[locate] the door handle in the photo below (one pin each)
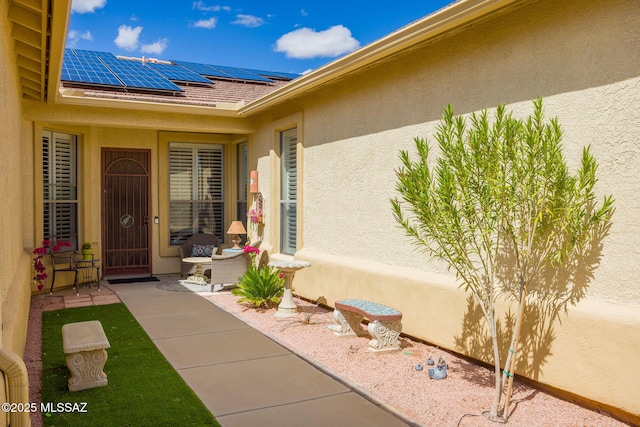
(146, 220)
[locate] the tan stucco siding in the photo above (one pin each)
(99, 128)
(583, 59)
(15, 262)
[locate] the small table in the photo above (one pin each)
(288, 307)
(86, 266)
(198, 277)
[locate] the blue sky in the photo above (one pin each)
(284, 36)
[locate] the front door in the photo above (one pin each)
(126, 237)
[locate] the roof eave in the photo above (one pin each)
(60, 10)
(455, 15)
(220, 109)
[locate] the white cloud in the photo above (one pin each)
(155, 48)
(303, 12)
(306, 43)
(248, 21)
(128, 37)
(87, 6)
(75, 36)
(206, 23)
(200, 5)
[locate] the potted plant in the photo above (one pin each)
(87, 252)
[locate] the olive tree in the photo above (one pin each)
(499, 192)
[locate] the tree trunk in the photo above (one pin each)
(496, 358)
(510, 366)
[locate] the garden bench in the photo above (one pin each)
(384, 326)
(84, 343)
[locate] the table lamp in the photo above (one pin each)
(236, 228)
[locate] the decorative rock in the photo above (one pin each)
(437, 373)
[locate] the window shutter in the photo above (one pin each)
(289, 191)
(59, 152)
(196, 190)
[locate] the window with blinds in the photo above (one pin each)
(196, 191)
(243, 182)
(289, 190)
(60, 190)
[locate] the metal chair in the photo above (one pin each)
(72, 261)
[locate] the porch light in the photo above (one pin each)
(236, 228)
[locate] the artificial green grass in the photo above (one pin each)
(143, 389)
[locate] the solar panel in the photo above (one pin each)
(232, 73)
(241, 73)
(135, 75)
(275, 74)
(178, 73)
(87, 69)
(203, 70)
(104, 68)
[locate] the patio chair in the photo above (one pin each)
(201, 244)
(81, 265)
(226, 269)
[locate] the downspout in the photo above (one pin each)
(15, 372)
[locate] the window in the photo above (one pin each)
(243, 173)
(196, 191)
(289, 187)
(60, 191)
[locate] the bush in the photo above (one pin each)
(261, 287)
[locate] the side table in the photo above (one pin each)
(198, 276)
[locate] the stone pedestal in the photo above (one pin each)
(287, 306)
(84, 343)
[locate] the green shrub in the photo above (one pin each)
(260, 287)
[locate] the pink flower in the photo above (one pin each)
(40, 275)
(248, 249)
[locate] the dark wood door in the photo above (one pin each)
(126, 236)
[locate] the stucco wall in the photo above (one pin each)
(99, 128)
(14, 262)
(583, 59)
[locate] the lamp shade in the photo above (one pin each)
(236, 227)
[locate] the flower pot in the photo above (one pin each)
(87, 254)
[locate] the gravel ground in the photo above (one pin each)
(459, 400)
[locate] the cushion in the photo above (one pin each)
(203, 250)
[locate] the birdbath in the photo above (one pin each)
(287, 307)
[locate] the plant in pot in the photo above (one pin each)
(87, 252)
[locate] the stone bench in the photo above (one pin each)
(84, 343)
(384, 326)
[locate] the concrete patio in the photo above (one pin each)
(242, 376)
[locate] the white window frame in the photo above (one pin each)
(205, 201)
(60, 186)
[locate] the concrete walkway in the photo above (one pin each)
(242, 376)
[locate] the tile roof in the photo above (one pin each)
(82, 70)
(222, 91)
